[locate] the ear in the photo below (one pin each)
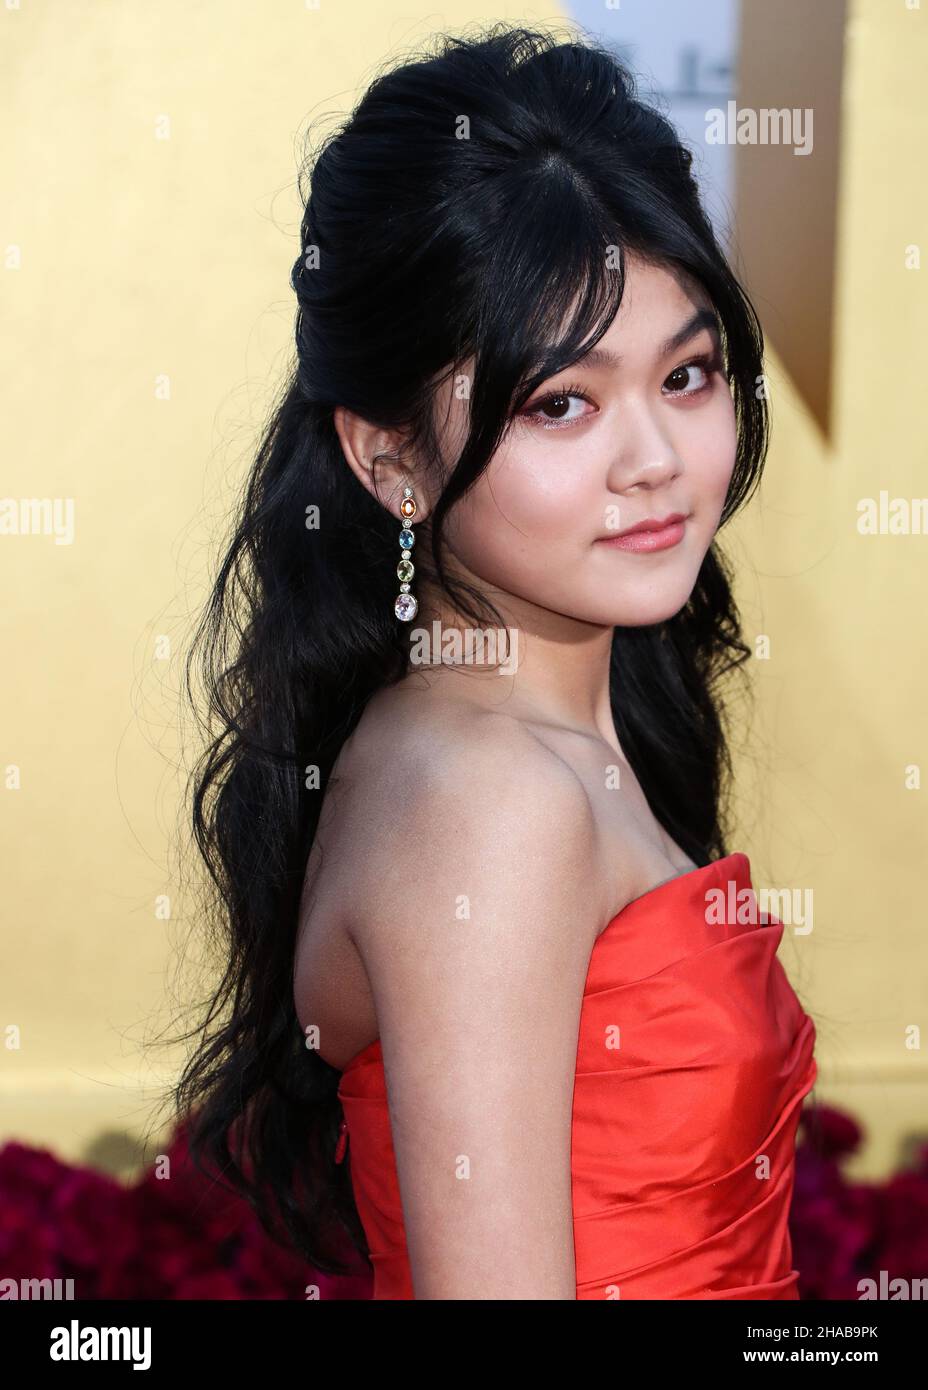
(374, 455)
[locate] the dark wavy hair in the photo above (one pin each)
(478, 203)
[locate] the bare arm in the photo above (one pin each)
(477, 951)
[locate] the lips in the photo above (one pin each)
(650, 523)
(651, 534)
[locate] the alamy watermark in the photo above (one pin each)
(765, 125)
(38, 516)
(896, 516)
(734, 906)
(884, 1287)
(35, 1290)
(469, 646)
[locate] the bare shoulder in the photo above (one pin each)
(476, 948)
(470, 797)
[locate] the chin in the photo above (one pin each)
(656, 603)
(647, 616)
(641, 617)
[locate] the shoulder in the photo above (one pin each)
(434, 735)
(471, 795)
(455, 742)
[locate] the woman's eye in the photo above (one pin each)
(557, 409)
(681, 379)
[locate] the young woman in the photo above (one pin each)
(497, 1005)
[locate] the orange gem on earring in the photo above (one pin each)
(408, 506)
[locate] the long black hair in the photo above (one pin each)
(480, 197)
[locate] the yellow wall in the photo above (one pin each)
(148, 260)
(841, 702)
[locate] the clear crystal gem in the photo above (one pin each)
(406, 607)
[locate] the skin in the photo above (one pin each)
(470, 790)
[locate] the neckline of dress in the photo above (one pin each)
(676, 878)
(635, 902)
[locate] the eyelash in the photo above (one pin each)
(711, 363)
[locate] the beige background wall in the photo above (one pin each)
(150, 219)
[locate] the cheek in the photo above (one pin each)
(517, 511)
(710, 449)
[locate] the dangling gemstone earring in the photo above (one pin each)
(406, 606)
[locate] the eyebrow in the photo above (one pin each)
(703, 318)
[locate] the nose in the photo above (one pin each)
(645, 458)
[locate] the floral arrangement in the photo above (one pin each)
(178, 1238)
(843, 1232)
(185, 1238)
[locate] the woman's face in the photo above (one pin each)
(599, 448)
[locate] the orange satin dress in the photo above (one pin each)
(693, 1059)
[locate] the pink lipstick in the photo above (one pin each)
(650, 534)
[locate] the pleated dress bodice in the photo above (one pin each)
(693, 1059)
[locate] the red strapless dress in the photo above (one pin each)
(683, 1136)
